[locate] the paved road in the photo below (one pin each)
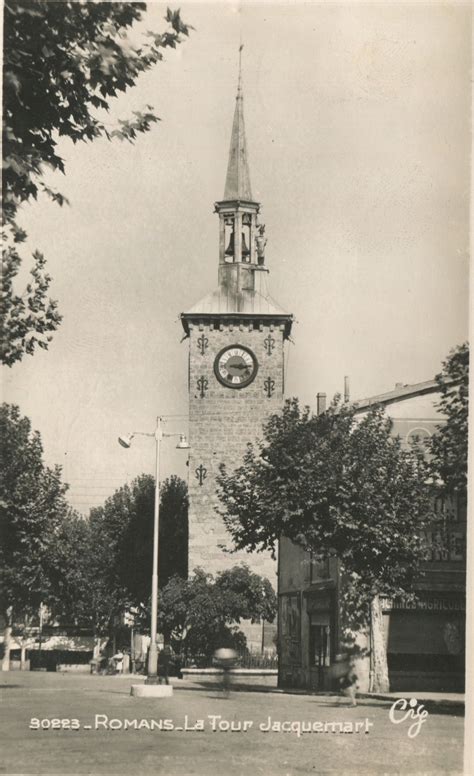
(209, 746)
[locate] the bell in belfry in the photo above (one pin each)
(230, 248)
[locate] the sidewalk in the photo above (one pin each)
(432, 701)
(452, 700)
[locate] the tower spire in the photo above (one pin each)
(237, 184)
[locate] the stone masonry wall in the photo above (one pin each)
(222, 422)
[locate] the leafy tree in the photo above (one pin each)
(173, 536)
(81, 590)
(134, 507)
(32, 507)
(449, 446)
(27, 320)
(245, 595)
(337, 486)
(63, 62)
(102, 566)
(201, 614)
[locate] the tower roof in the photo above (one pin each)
(237, 182)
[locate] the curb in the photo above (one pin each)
(433, 703)
(440, 702)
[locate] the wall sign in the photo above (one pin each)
(425, 604)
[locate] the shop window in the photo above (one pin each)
(320, 640)
(457, 545)
(446, 545)
(291, 615)
(439, 545)
(446, 509)
(445, 539)
(319, 569)
(290, 645)
(419, 439)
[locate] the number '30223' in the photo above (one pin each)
(54, 724)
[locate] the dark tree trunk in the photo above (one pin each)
(7, 635)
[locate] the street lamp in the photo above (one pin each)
(126, 441)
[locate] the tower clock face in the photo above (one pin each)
(235, 366)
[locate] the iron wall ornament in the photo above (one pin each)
(202, 385)
(203, 343)
(269, 386)
(269, 343)
(201, 473)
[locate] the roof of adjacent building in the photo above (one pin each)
(398, 394)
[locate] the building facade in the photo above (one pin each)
(425, 638)
(236, 338)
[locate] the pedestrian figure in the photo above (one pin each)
(118, 662)
(164, 659)
(225, 658)
(348, 685)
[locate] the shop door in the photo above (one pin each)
(320, 643)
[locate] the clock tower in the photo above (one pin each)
(236, 335)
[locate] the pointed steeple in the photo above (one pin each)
(237, 183)
(241, 299)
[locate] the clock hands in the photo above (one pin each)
(235, 366)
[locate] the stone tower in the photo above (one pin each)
(236, 361)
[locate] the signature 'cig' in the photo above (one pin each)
(403, 710)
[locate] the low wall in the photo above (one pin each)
(15, 665)
(74, 668)
(262, 677)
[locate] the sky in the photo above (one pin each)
(358, 132)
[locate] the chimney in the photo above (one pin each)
(346, 388)
(321, 403)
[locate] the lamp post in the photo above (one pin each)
(126, 441)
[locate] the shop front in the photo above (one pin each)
(426, 642)
(322, 636)
(308, 639)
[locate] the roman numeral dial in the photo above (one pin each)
(235, 366)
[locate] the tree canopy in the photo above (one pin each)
(81, 591)
(32, 508)
(102, 566)
(449, 445)
(63, 63)
(128, 516)
(336, 485)
(201, 614)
